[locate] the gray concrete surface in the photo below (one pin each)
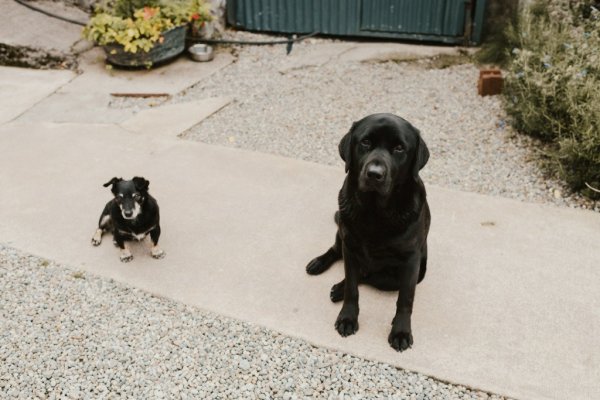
(509, 304)
(173, 119)
(361, 52)
(20, 26)
(86, 99)
(22, 89)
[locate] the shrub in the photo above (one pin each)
(552, 89)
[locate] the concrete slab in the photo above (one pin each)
(510, 303)
(318, 54)
(81, 107)
(377, 52)
(86, 98)
(173, 119)
(43, 32)
(315, 55)
(23, 88)
(171, 78)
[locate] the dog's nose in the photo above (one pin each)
(128, 213)
(375, 172)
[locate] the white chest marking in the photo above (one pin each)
(139, 236)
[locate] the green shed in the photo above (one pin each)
(445, 21)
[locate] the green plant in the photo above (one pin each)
(552, 89)
(139, 24)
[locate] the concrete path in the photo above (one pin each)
(22, 89)
(509, 304)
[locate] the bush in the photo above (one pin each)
(552, 89)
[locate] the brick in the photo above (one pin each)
(490, 82)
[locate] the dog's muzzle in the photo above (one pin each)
(374, 177)
(130, 213)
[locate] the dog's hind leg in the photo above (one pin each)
(104, 224)
(156, 251)
(324, 261)
(125, 255)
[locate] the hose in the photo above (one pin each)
(48, 13)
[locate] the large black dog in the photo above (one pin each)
(130, 215)
(383, 220)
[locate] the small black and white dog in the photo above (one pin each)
(130, 215)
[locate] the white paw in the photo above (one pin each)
(97, 238)
(126, 256)
(158, 253)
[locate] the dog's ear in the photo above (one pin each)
(140, 183)
(421, 156)
(112, 181)
(345, 146)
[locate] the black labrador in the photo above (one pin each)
(383, 220)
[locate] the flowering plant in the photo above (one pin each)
(139, 25)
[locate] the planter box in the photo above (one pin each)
(171, 47)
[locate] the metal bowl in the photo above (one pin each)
(201, 52)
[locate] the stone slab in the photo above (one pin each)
(86, 99)
(89, 107)
(22, 89)
(317, 54)
(509, 305)
(173, 119)
(378, 52)
(42, 31)
(171, 78)
(314, 55)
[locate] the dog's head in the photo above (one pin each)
(382, 151)
(129, 195)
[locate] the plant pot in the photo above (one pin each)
(172, 45)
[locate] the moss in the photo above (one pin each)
(29, 57)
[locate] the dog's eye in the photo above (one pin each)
(118, 199)
(366, 142)
(137, 197)
(398, 149)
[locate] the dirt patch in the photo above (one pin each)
(29, 57)
(446, 60)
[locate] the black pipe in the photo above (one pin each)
(48, 13)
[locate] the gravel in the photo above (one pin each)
(304, 112)
(65, 334)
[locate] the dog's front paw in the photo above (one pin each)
(125, 256)
(97, 238)
(400, 340)
(158, 253)
(317, 266)
(337, 292)
(346, 324)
